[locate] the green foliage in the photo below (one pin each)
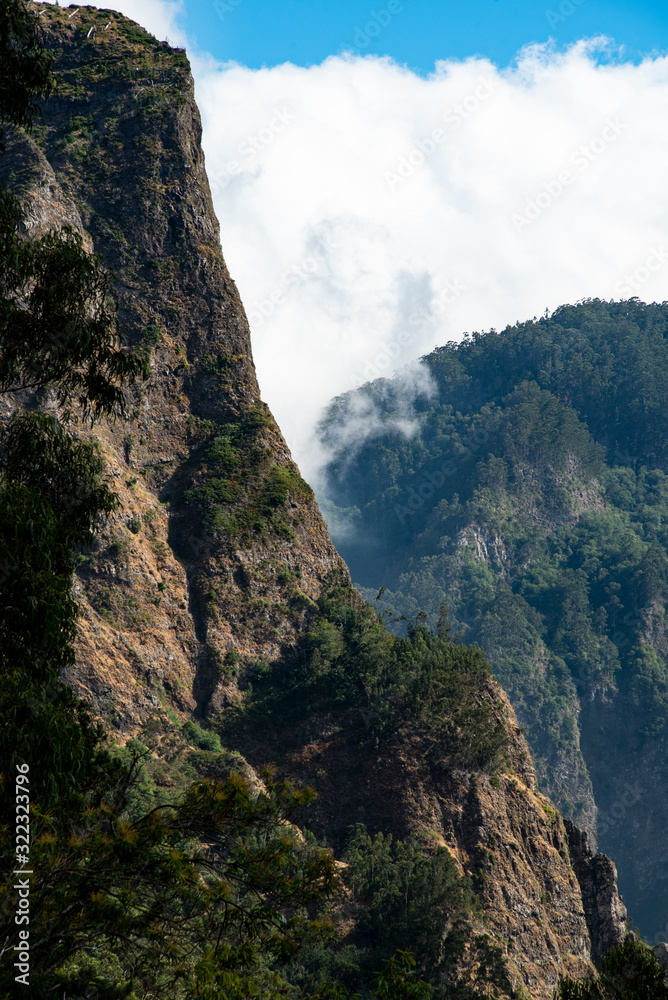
(183, 898)
(417, 921)
(25, 67)
(206, 895)
(239, 490)
(533, 497)
(411, 899)
(350, 660)
(397, 981)
(137, 35)
(630, 972)
(152, 334)
(148, 881)
(57, 326)
(50, 494)
(185, 918)
(202, 738)
(217, 366)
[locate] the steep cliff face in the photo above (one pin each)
(597, 875)
(552, 916)
(560, 764)
(634, 812)
(117, 155)
(219, 551)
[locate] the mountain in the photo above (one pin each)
(529, 492)
(218, 624)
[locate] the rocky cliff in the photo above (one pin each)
(531, 498)
(597, 876)
(552, 907)
(219, 552)
(166, 594)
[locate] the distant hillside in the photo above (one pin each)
(532, 497)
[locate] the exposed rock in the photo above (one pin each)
(117, 155)
(604, 910)
(661, 952)
(503, 833)
(168, 602)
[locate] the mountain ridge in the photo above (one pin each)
(545, 537)
(214, 576)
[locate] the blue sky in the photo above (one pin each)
(416, 33)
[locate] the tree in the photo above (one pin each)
(630, 972)
(25, 67)
(397, 979)
(57, 318)
(195, 895)
(193, 898)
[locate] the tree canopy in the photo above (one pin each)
(532, 496)
(25, 66)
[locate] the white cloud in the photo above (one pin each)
(368, 214)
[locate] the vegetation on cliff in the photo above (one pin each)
(202, 894)
(239, 493)
(630, 972)
(189, 892)
(204, 891)
(533, 497)
(169, 866)
(348, 659)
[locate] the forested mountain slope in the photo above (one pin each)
(532, 497)
(218, 625)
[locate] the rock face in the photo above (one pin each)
(219, 550)
(117, 156)
(604, 911)
(661, 952)
(502, 831)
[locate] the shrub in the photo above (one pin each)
(202, 738)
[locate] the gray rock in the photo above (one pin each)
(605, 912)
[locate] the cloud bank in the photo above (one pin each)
(368, 214)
